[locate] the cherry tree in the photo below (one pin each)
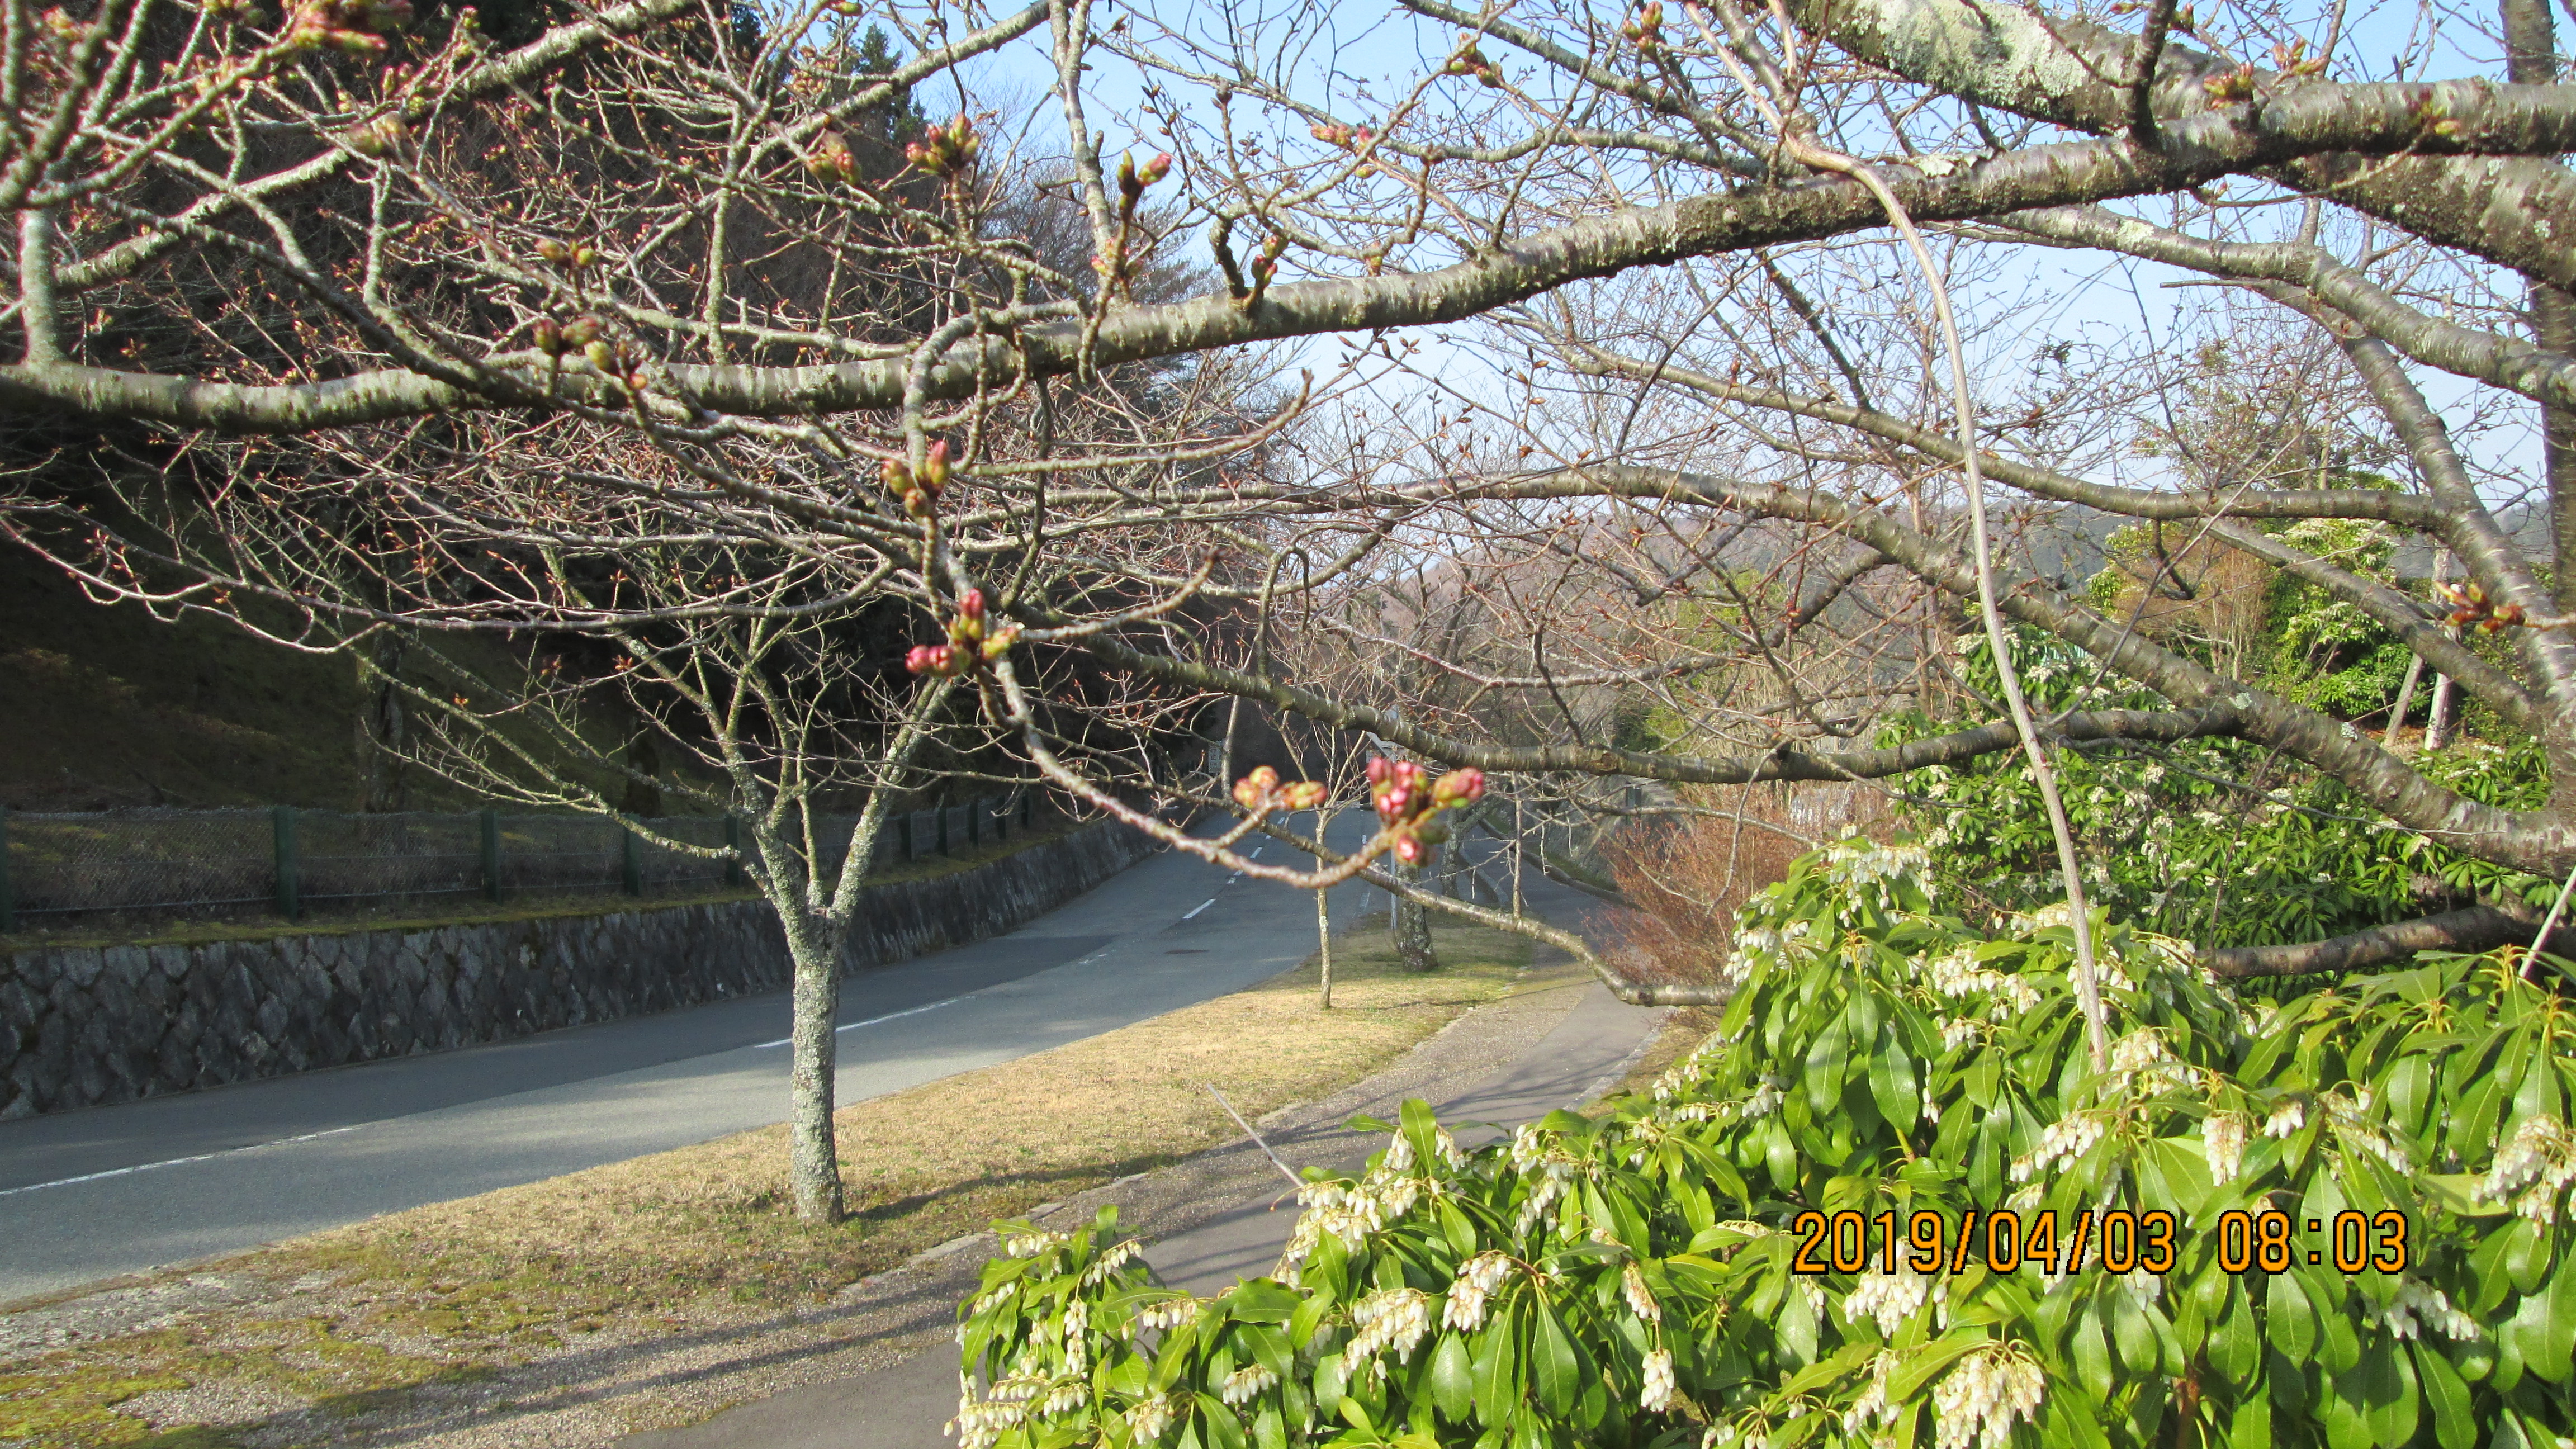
(673, 330)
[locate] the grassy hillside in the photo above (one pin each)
(106, 706)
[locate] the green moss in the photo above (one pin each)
(70, 1397)
(75, 1405)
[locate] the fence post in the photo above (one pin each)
(289, 904)
(8, 894)
(630, 861)
(941, 811)
(491, 854)
(975, 822)
(1029, 808)
(1001, 818)
(733, 842)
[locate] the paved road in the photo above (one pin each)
(94, 1194)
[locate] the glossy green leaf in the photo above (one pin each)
(1452, 1378)
(1497, 1371)
(1223, 1429)
(2091, 1350)
(1824, 1069)
(1554, 1371)
(2446, 1395)
(2288, 1320)
(1892, 1084)
(2557, 1339)
(2131, 1335)
(2386, 1374)
(2236, 1346)
(2249, 1426)
(2525, 1259)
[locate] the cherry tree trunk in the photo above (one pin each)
(1412, 924)
(813, 1160)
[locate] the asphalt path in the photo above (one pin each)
(107, 1191)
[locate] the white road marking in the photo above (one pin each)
(918, 1010)
(1201, 906)
(173, 1162)
(871, 1021)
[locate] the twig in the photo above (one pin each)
(1777, 97)
(1284, 1170)
(2548, 924)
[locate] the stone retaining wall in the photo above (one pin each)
(83, 1026)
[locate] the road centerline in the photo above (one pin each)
(174, 1161)
(871, 1021)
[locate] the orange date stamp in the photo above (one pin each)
(2114, 1240)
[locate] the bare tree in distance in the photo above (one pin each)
(791, 606)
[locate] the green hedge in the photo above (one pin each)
(1632, 1279)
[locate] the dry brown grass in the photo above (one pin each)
(925, 1165)
(681, 1235)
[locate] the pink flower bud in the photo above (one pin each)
(934, 468)
(971, 604)
(1156, 169)
(1408, 849)
(1378, 766)
(1458, 787)
(1254, 790)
